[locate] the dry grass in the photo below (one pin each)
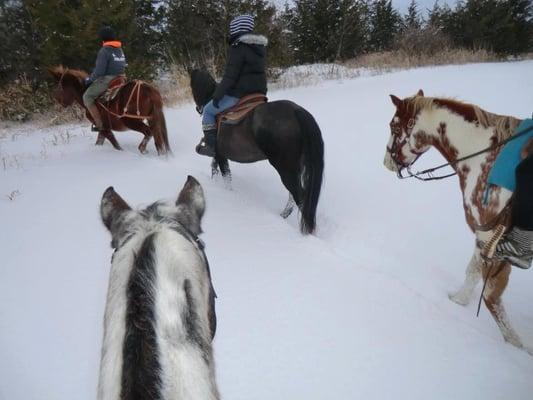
(20, 100)
(400, 59)
(58, 115)
(174, 86)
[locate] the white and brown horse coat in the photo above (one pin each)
(159, 318)
(456, 130)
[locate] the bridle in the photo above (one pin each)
(397, 145)
(427, 174)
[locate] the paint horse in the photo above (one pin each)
(456, 130)
(137, 106)
(281, 132)
(160, 316)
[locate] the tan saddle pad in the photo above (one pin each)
(246, 104)
(113, 88)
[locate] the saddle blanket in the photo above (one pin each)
(503, 171)
(113, 88)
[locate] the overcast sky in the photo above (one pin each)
(400, 5)
(422, 4)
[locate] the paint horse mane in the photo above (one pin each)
(504, 126)
(457, 130)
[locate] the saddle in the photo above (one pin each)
(113, 88)
(234, 115)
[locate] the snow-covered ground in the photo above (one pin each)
(359, 311)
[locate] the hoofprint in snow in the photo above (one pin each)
(358, 311)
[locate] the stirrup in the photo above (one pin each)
(94, 128)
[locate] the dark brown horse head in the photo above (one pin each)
(203, 86)
(70, 85)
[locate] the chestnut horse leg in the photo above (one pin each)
(139, 126)
(100, 139)
(109, 136)
(473, 275)
(497, 282)
(143, 144)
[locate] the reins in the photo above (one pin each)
(429, 171)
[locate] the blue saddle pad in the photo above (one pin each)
(503, 171)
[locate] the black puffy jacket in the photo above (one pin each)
(245, 68)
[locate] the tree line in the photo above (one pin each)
(188, 33)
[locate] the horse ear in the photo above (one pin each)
(192, 196)
(111, 207)
(396, 100)
(420, 93)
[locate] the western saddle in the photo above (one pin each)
(113, 88)
(236, 114)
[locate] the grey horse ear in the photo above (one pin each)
(395, 100)
(192, 196)
(420, 93)
(111, 207)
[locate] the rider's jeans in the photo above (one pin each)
(210, 111)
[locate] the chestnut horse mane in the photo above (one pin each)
(503, 125)
(77, 74)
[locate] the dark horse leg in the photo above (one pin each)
(289, 208)
(221, 163)
(290, 178)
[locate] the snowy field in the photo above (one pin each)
(359, 311)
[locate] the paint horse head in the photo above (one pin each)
(160, 315)
(458, 130)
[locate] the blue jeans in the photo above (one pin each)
(210, 111)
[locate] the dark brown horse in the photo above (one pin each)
(281, 132)
(138, 106)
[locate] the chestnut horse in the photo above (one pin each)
(457, 130)
(281, 132)
(138, 106)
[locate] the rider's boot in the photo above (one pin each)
(516, 247)
(93, 109)
(207, 146)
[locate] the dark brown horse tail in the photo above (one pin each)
(311, 170)
(158, 126)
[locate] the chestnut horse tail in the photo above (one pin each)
(311, 170)
(158, 126)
